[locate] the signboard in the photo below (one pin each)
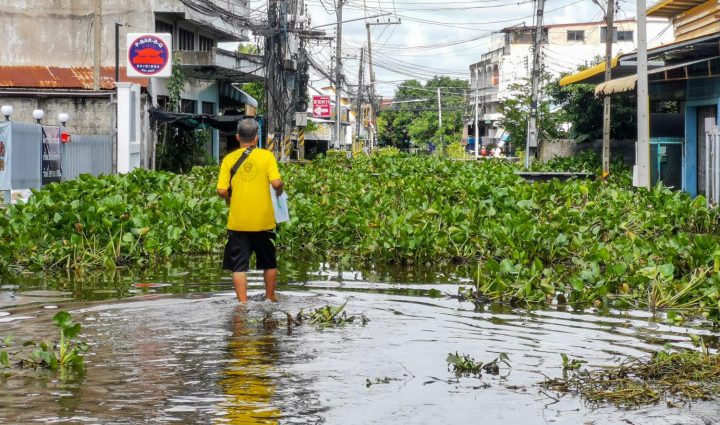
(149, 55)
(51, 160)
(321, 106)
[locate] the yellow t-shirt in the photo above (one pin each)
(251, 208)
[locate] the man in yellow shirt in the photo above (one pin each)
(246, 175)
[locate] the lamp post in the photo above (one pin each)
(38, 114)
(7, 110)
(63, 118)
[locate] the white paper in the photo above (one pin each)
(280, 205)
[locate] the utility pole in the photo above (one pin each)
(641, 175)
(338, 74)
(97, 43)
(442, 142)
(609, 39)
(373, 109)
(358, 116)
(532, 134)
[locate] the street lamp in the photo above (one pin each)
(7, 110)
(38, 114)
(63, 118)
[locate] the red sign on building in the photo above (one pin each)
(321, 106)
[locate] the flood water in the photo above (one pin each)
(172, 345)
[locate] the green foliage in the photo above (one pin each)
(580, 241)
(179, 151)
(257, 91)
(330, 316)
(417, 122)
(176, 85)
(248, 49)
(585, 111)
(66, 354)
(464, 365)
(515, 110)
(116, 220)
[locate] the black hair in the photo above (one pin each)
(247, 129)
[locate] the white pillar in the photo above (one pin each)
(128, 127)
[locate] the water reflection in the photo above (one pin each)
(248, 381)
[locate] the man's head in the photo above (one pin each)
(247, 131)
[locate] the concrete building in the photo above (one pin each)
(684, 91)
(48, 49)
(509, 59)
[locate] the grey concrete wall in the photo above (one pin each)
(565, 148)
(59, 32)
(89, 115)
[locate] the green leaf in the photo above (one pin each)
(4, 359)
(62, 319)
(72, 331)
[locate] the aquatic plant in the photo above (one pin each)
(63, 354)
(578, 242)
(464, 365)
(682, 375)
(4, 357)
(327, 316)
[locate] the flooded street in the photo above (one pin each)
(175, 347)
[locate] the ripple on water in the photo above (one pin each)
(206, 360)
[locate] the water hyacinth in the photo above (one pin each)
(597, 241)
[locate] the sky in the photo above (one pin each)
(434, 37)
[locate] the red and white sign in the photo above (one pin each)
(321, 106)
(149, 55)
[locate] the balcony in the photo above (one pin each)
(220, 64)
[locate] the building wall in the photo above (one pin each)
(88, 115)
(513, 60)
(59, 32)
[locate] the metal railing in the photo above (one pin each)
(712, 165)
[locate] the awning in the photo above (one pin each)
(658, 57)
(587, 73)
(226, 123)
(702, 68)
(233, 92)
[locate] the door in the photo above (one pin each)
(703, 112)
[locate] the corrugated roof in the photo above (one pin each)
(53, 77)
(672, 8)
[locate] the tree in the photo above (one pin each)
(414, 118)
(515, 111)
(585, 111)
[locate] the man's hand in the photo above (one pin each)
(278, 185)
(223, 193)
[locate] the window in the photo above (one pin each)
(617, 35)
(208, 108)
(161, 26)
(188, 106)
(575, 35)
(624, 35)
(186, 40)
(206, 44)
(162, 102)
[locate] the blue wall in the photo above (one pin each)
(701, 92)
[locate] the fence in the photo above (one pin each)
(712, 165)
(87, 155)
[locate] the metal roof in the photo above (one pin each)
(53, 77)
(672, 8)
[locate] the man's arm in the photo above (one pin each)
(278, 185)
(223, 181)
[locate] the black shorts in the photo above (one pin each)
(240, 245)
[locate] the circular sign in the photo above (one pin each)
(148, 55)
